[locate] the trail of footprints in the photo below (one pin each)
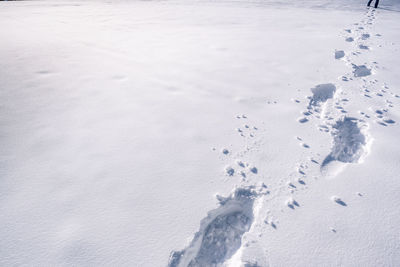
(221, 233)
(237, 165)
(328, 104)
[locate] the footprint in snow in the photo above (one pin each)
(291, 203)
(339, 54)
(253, 169)
(338, 200)
(229, 171)
(349, 142)
(225, 151)
(365, 36)
(269, 220)
(302, 120)
(321, 93)
(361, 71)
(364, 47)
(220, 233)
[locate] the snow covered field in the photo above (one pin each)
(199, 133)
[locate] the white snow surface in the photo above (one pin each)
(199, 133)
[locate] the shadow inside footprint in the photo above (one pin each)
(341, 202)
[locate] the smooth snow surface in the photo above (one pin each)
(199, 133)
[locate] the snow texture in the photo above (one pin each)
(121, 120)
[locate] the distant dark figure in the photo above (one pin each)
(376, 3)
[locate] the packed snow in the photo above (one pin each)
(199, 133)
